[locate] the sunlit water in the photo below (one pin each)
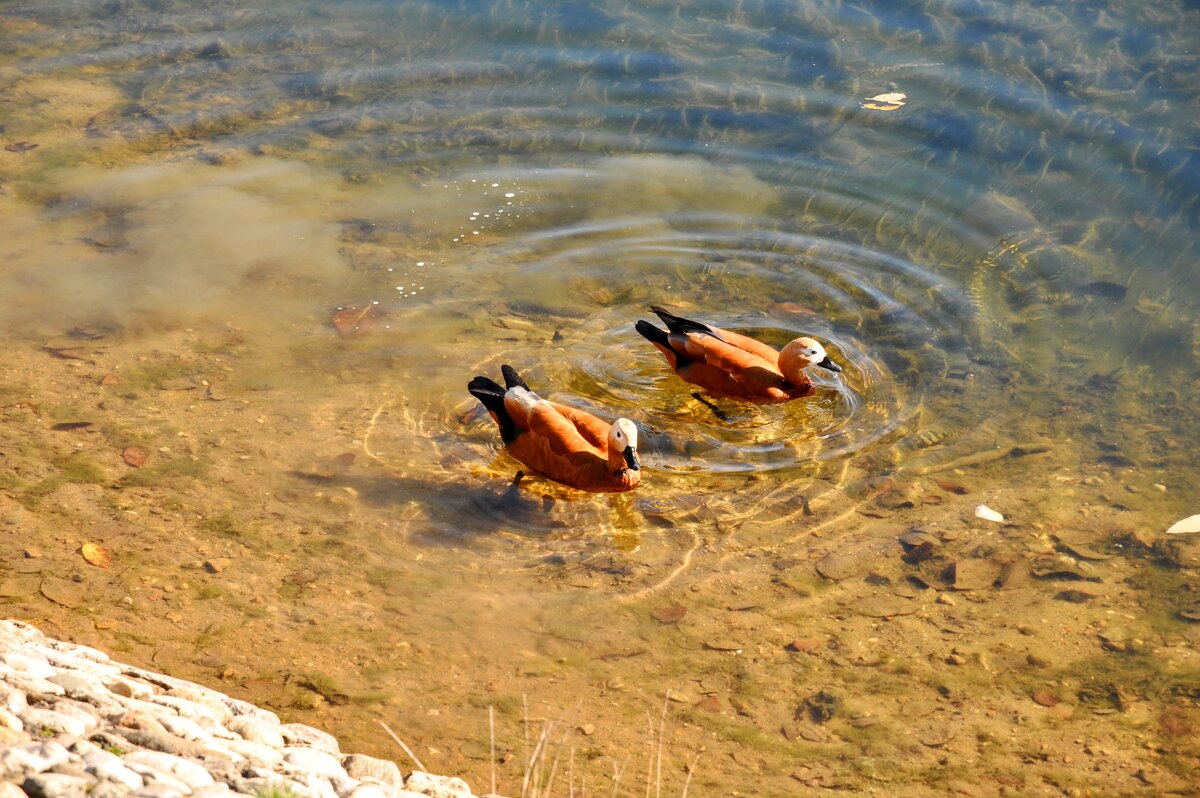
(1004, 256)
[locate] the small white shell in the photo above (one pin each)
(988, 514)
(1187, 525)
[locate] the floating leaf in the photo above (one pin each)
(890, 101)
(135, 456)
(96, 555)
(672, 614)
(355, 321)
(988, 514)
(1186, 526)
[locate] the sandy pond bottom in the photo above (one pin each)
(888, 643)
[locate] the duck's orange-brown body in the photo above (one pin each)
(730, 364)
(563, 443)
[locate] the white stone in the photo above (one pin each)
(183, 727)
(373, 791)
(124, 686)
(158, 790)
(312, 760)
(437, 786)
(28, 683)
(10, 721)
(36, 719)
(344, 785)
(218, 730)
(308, 785)
(33, 666)
(239, 707)
(107, 766)
(216, 790)
(78, 650)
(211, 699)
(75, 661)
(56, 785)
(299, 734)
(1185, 527)
(28, 758)
(988, 514)
(77, 685)
(256, 730)
(363, 767)
(154, 775)
(256, 753)
(186, 707)
(12, 700)
(77, 709)
(185, 770)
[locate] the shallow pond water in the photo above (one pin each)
(253, 252)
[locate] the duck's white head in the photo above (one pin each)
(802, 353)
(622, 440)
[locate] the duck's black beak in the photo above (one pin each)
(631, 458)
(829, 364)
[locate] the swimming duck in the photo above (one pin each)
(565, 444)
(733, 365)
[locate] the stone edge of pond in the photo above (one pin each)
(75, 723)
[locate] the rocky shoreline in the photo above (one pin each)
(73, 722)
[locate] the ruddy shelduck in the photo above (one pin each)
(563, 443)
(732, 365)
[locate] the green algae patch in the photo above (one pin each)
(180, 468)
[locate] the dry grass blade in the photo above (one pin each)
(662, 720)
(617, 771)
(400, 743)
(691, 769)
(532, 767)
(492, 742)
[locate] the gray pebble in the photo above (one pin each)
(437, 786)
(256, 730)
(301, 735)
(312, 760)
(159, 790)
(256, 754)
(32, 666)
(55, 785)
(18, 761)
(190, 773)
(363, 767)
(152, 775)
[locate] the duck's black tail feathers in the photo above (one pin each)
(651, 333)
(511, 378)
(678, 324)
(489, 392)
(661, 339)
